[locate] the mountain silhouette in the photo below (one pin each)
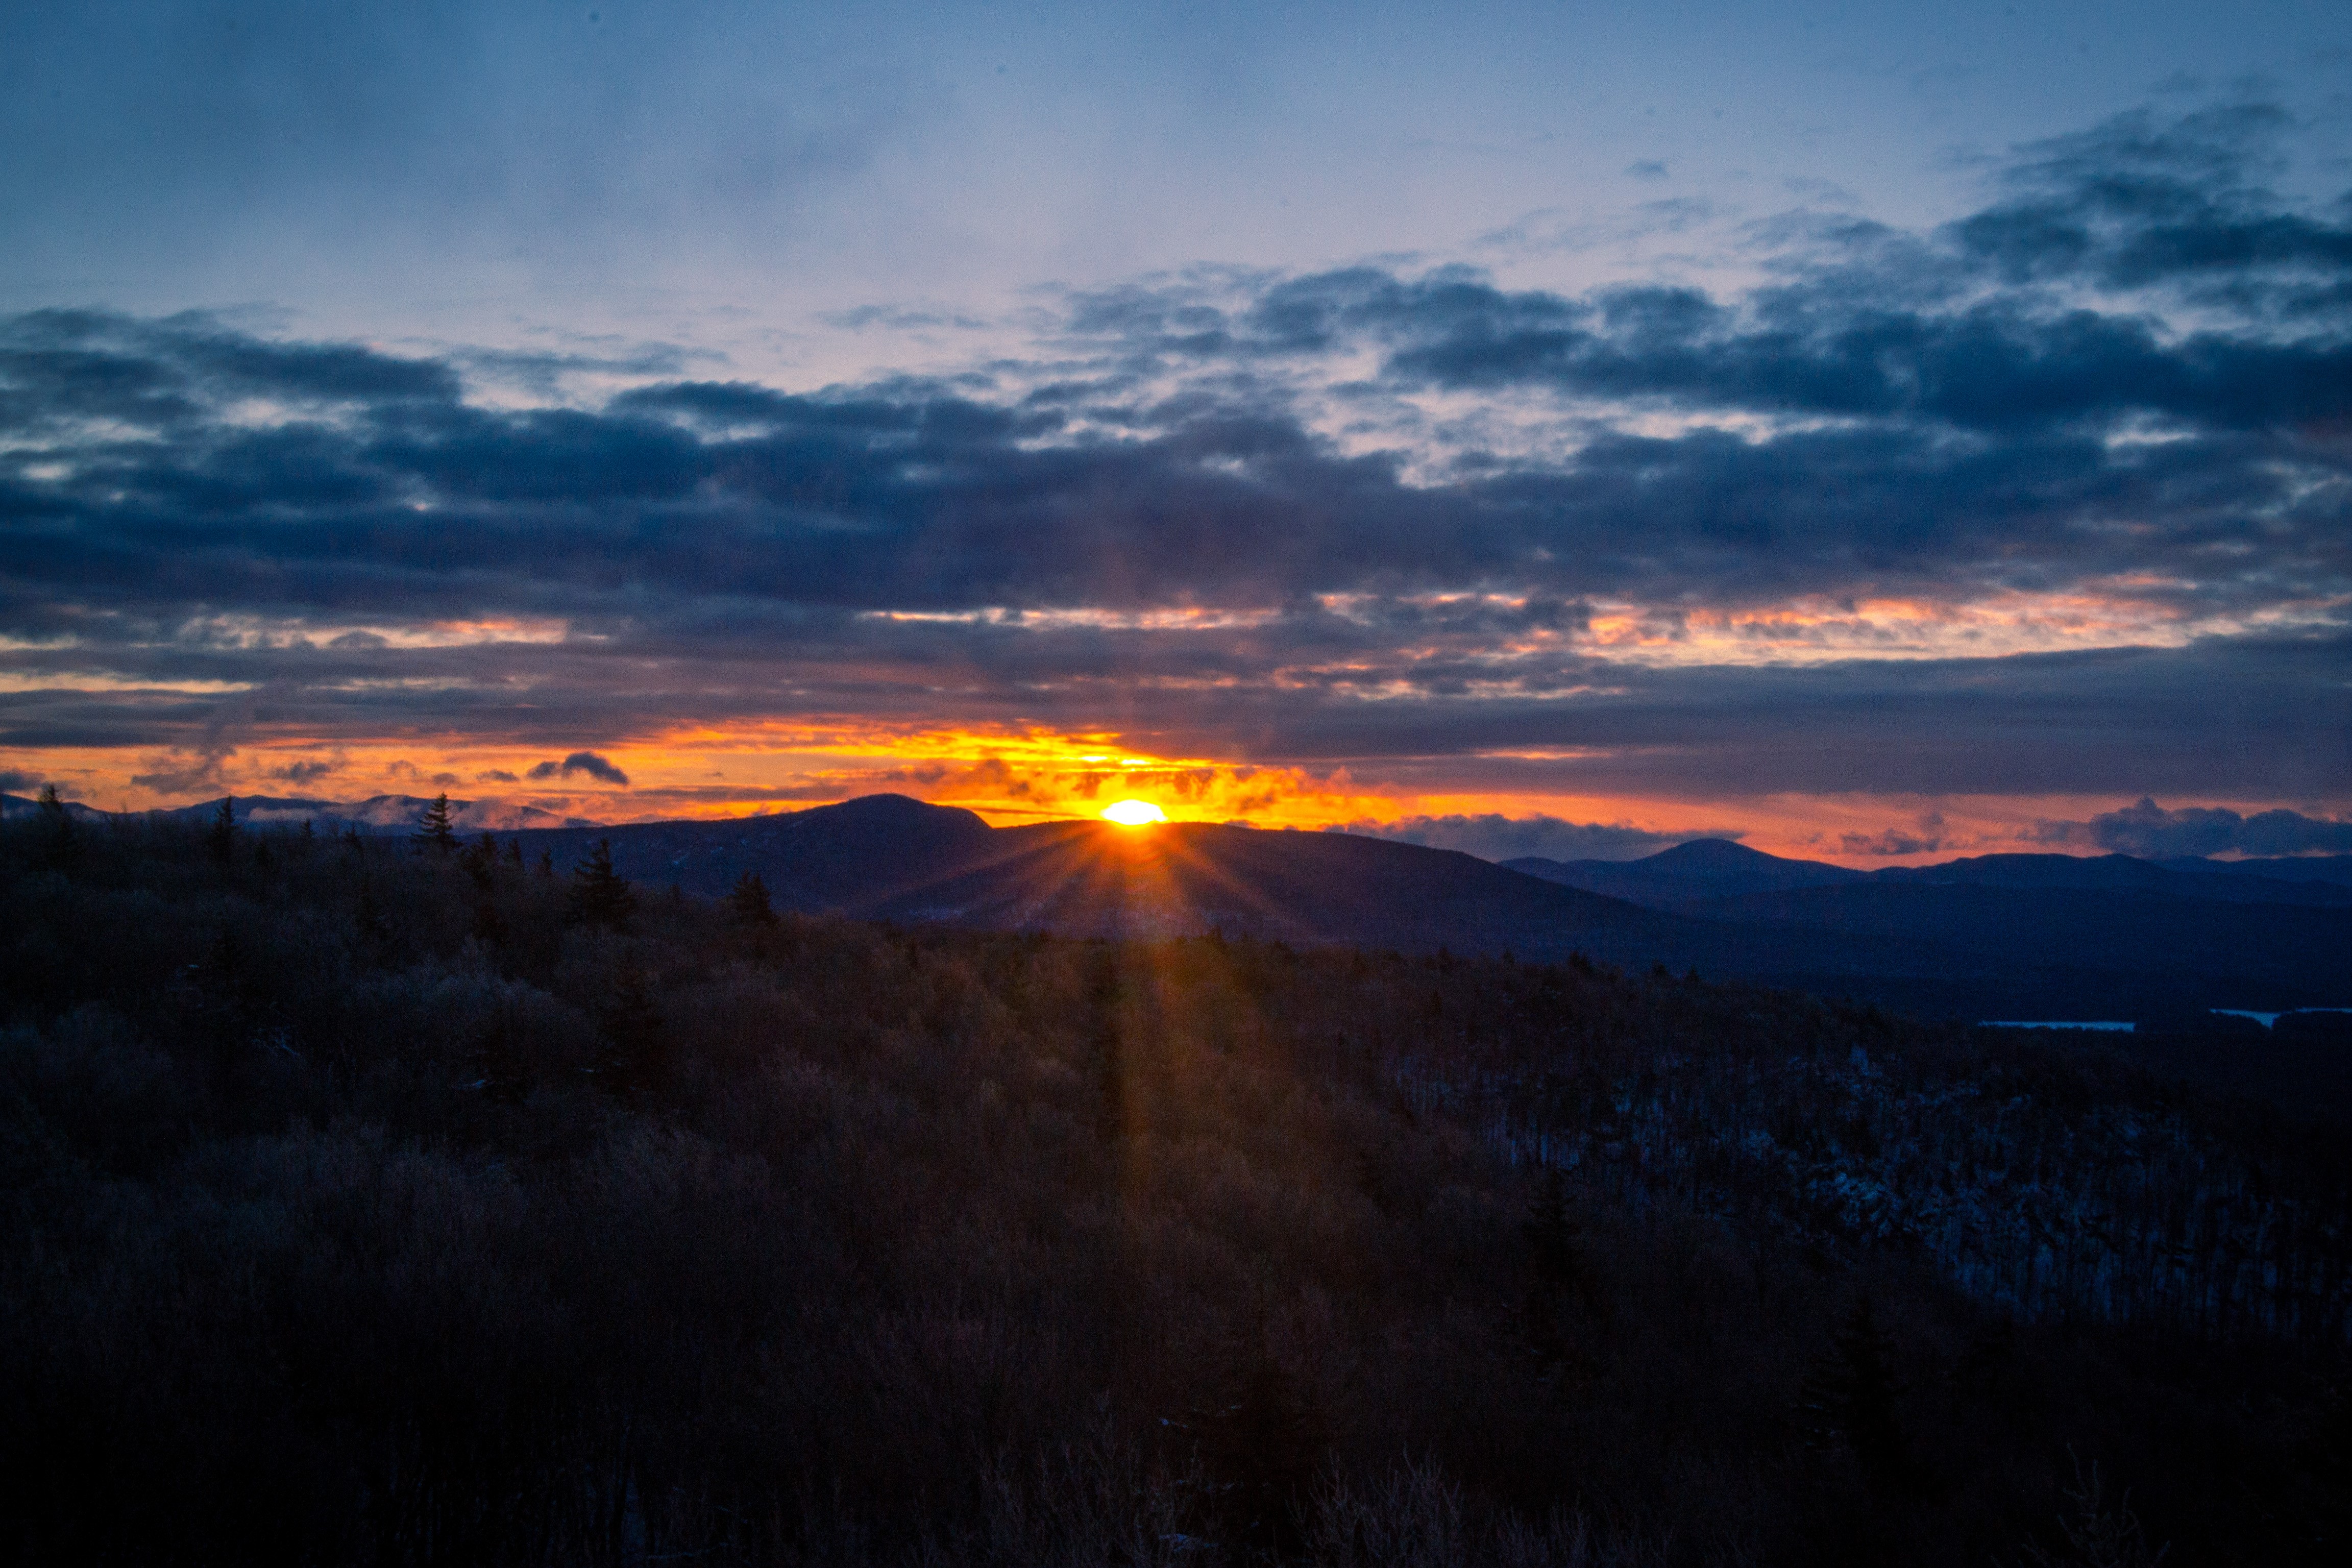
(1702, 869)
(1692, 876)
(2004, 936)
(383, 814)
(1095, 879)
(2000, 936)
(2336, 868)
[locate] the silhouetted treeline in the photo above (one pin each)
(412, 1202)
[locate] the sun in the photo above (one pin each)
(1134, 812)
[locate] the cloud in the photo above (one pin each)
(588, 762)
(1492, 836)
(184, 770)
(901, 318)
(306, 769)
(2151, 832)
(496, 775)
(2053, 498)
(13, 779)
(1927, 836)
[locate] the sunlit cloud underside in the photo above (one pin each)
(1885, 542)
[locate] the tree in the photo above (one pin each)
(222, 837)
(633, 1058)
(1260, 1439)
(481, 859)
(2100, 1536)
(748, 900)
(1555, 1268)
(1850, 1398)
(1550, 1231)
(433, 828)
(599, 895)
(62, 841)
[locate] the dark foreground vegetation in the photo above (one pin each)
(378, 1202)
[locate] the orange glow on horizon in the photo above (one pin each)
(1015, 774)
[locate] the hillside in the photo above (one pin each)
(2012, 936)
(1702, 869)
(1968, 954)
(1689, 874)
(1096, 879)
(2020, 936)
(386, 1187)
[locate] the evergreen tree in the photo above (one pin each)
(481, 859)
(1260, 1441)
(514, 853)
(633, 1058)
(748, 900)
(599, 896)
(63, 842)
(222, 837)
(1849, 1397)
(372, 927)
(1555, 1272)
(547, 864)
(433, 828)
(1550, 1231)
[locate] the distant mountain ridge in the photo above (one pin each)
(1689, 874)
(1705, 868)
(2283, 868)
(2027, 936)
(2111, 937)
(383, 814)
(2072, 936)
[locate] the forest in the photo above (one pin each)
(404, 1201)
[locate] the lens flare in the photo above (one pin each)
(1134, 812)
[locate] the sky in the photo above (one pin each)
(1527, 428)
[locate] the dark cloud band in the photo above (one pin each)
(2127, 382)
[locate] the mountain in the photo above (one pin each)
(1705, 868)
(891, 857)
(1095, 879)
(341, 1168)
(2018, 936)
(2336, 868)
(381, 814)
(1690, 876)
(847, 858)
(1975, 950)
(2190, 948)
(2025, 936)
(2118, 873)
(12, 806)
